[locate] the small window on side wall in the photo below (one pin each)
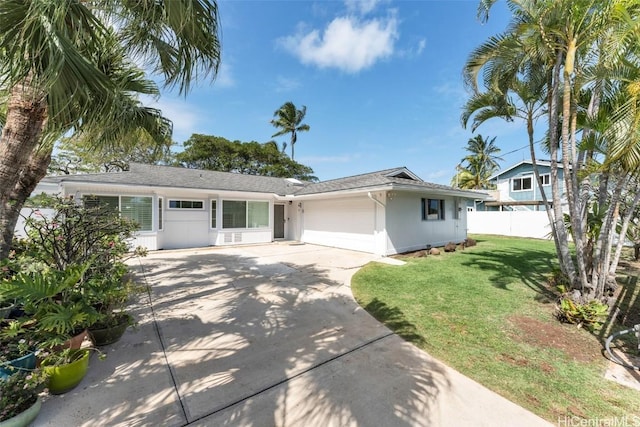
(432, 209)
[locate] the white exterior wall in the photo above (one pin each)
(510, 223)
(406, 231)
(347, 223)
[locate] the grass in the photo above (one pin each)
(488, 312)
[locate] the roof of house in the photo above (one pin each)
(177, 177)
(546, 163)
(167, 176)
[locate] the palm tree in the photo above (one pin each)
(482, 161)
(67, 68)
(587, 52)
(289, 120)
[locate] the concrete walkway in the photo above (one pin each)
(268, 336)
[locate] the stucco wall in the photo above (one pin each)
(406, 231)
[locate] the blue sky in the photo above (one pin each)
(381, 81)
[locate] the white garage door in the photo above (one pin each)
(185, 229)
(341, 223)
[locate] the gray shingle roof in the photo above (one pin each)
(166, 176)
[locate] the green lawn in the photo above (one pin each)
(488, 312)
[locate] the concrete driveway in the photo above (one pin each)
(268, 335)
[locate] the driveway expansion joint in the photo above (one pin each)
(289, 378)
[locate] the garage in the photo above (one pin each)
(344, 223)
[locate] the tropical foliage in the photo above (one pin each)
(573, 63)
(67, 68)
(478, 166)
(79, 155)
(252, 158)
(289, 119)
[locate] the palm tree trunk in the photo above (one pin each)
(568, 160)
(564, 255)
(26, 118)
(623, 232)
(34, 171)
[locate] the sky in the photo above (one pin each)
(381, 80)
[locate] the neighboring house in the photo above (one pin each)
(516, 188)
(384, 212)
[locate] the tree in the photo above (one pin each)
(67, 68)
(251, 158)
(74, 155)
(289, 120)
(588, 53)
(479, 165)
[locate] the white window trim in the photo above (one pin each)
(211, 214)
(246, 213)
(186, 200)
(543, 175)
(530, 177)
(119, 196)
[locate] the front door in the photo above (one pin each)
(278, 221)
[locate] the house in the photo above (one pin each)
(516, 188)
(385, 212)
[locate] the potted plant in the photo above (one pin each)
(65, 368)
(19, 402)
(53, 302)
(17, 349)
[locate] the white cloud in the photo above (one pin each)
(361, 6)
(347, 43)
(421, 45)
(185, 117)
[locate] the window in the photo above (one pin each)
(139, 210)
(186, 204)
(244, 214)
(160, 219)
(234, 214)
(521, 184)
(545, 179)
(93, 201)
(432, 209)
(136, 208)
(258, 214)
(214, 211)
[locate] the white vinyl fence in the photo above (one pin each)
(509, 223)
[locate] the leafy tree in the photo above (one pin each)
(479, 165)
(66, 68)
(252, 158)
(81, 156)
(587, 54)
(289, 120)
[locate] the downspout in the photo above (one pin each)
(379, 203)
(376, 200)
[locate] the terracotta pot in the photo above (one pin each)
(25, 418)
(74, 342)
(63, 378)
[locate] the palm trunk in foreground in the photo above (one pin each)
(26, 118)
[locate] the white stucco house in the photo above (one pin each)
(385, 212)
